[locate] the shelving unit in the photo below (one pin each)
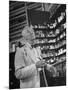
(53, 44)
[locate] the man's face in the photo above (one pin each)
(30, 34)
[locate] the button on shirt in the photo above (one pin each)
(25, 59)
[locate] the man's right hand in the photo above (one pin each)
(40, 64)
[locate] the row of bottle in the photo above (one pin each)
(61, 36)
(57, 31)
(55, 59)
(46, 40)
(51, 46)
(53, 52)
(57, 21)
(61, 51)
(51, 33)
(39, 33)
(60, 29)
(49, 54)
(61, 43)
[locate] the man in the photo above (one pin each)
(27, 61)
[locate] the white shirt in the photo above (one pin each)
(27, 57)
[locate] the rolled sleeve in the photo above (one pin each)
(21, 70)
(19, 60)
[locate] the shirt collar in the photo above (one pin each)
(24, 42)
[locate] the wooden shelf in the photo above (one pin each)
(15, 38)
(40, 37)
(18, 24)
(49, 38)
(56, 49)
(55, 56)
(63, 46)
(22, 15)
(58, 62)
(41, 44)
(52, 37)
(17, 13)
(47, 50)
(52, 43)
(48, 57)
(38, 29)
(59, 24)
(61, 54)
(14, 29)
(60, 33)
(60, 40)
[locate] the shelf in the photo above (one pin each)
(60, 40)
(56, 49)
(37, 29)
(47, 50)
(40, 37)
(63, 46)
(54, 56)
(41, 44)
(14, 33)
(60, 33)
(17, 28)
(17, 11)
(18, 16)
(45, 37)
(51, 37)
(58, 62)
(61, 54)
(59, 24)
(18, 24)
(62, 22)
(16, 6)
(15, 38)
(48, 57)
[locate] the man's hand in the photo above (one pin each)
(40, 64)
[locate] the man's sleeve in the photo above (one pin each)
(23, 71)
(19, 60)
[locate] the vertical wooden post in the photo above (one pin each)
(42, 6)
(26, 14)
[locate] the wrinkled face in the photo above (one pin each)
(29, 34)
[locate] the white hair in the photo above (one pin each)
(26, 28)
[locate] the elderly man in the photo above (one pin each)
(27, 61)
